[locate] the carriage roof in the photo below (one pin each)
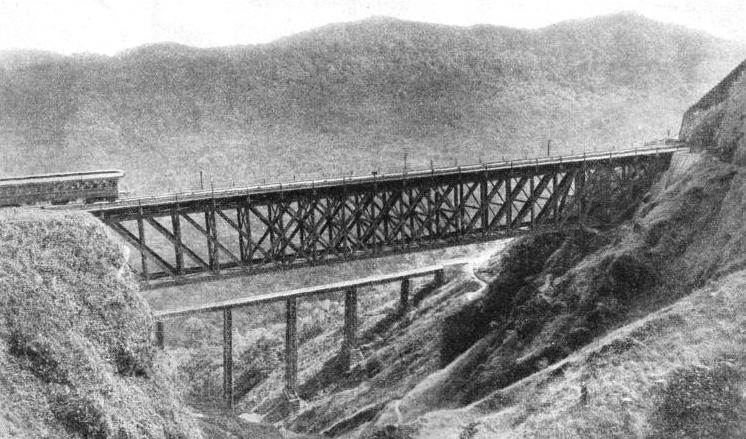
(64, 176)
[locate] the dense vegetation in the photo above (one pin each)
(352, 97)
(76, 358)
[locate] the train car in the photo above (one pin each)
(85, 187)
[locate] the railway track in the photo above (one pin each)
(665, 146)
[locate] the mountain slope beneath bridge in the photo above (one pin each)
(352, 97)
(631, 331)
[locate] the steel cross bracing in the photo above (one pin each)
(180, 240)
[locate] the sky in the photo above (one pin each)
(109, 26)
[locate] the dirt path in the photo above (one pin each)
(472, 264)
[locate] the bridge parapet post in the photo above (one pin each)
(350, 328)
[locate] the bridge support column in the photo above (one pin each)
(228, 356)
(159, 335)
(440, 277)
(291, 346)
(350, 328)
(404, 297)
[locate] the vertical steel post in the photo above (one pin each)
(412, 209)
(531, 199)
(509, 204)
(386, 219)
(291, 346)
(439, 191)
(271, 226)
(404, 297)
(212, 237)
(350, 327)
(329, 218)
(241, 241)
(228, 356)
(358, 220)
(141, 233)
(247, 228)
(178, 246)
(302, 207)
(555, 199)
(484, 202)
(460, 205)
(314, 228)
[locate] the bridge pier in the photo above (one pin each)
(291, 346)
(159, 335)
(440, 277)
(404, 297)
(228, 356)
(350, 328)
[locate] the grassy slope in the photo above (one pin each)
(75, 351)
(76, 356)
(352, 97)
(677, 372)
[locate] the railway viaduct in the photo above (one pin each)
(206, 235)
(182, 238)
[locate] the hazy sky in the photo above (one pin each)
(108, 26)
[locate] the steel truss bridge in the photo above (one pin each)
(186, 237)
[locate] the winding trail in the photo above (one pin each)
(474, 263)
(471, 266)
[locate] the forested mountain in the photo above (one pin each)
(352, 97)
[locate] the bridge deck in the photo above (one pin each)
(184, 197)
(305, 292)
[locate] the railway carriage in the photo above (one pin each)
(62, 188)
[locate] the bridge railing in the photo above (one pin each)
(291, 304)
(664, 146)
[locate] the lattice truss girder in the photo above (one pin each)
(254, 234)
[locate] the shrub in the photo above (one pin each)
(699, 402)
